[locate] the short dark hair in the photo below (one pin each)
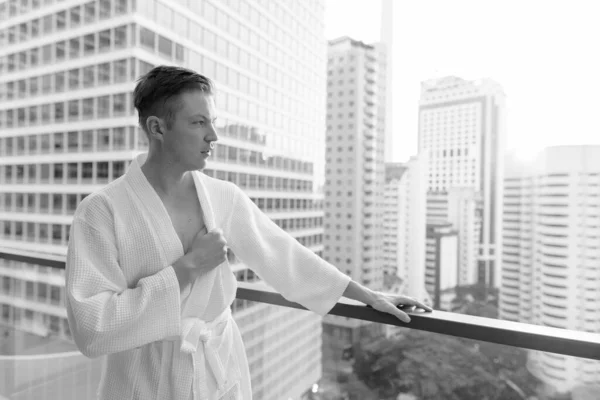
(156, 92)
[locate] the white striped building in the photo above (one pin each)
(551, 253)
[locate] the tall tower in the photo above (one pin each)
(550, 270)
(68, 127)
(405, 224)
(354, 172)
(386, 39)
(392, 234)
(354, 164)
(462, 124)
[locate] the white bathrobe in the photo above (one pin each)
(123, 298)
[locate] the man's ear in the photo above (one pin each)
(155, 128)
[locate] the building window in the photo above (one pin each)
(60, 51)
(47, 24)
(147, 39)
(103, 140)
(42, 292)
(74, 17)
(89, 76)
(103, 170)
(104, 8)
(118, 169)
(74, 48)
(165, 46)
(119, 139)
(120, 37)
(120, 70)
(73, 141)
(103, 107)
(89, 12)
(59, 82)
(104, 40)
(89, 44)
(71, 206)
(72, 171)
(61, 20)
(73, 110)
(87, 137)
(44, 173)
(58, 173)
(59, 112)
(119, 105)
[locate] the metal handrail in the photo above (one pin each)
(533, 337)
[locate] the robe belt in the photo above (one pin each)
(195, 331)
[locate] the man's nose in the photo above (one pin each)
(212, 136)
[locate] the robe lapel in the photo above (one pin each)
(157, 214)
(205, 203)
(169, 246)
(198, 305)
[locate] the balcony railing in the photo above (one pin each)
(527, 336)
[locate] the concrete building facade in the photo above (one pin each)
(551, 250)
(462, 124)
(68, 127)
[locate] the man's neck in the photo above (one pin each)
(167, 180)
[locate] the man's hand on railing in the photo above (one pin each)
(394, 304)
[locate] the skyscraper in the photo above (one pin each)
(462, 124)
(405, 224)
(550, 269)
(386, 39)
(391, 218)
(354, 173)
(68, 127)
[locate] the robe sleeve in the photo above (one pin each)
(105, 316)
(296, 272)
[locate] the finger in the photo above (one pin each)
(402, 316)
(202, 232)
(414, 302)
(424, 306)
(392, 309)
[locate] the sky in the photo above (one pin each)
(545, 54)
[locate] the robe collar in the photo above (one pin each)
(165, 230)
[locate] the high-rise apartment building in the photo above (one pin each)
(354, 165)
(551, 250)
(392, 235)
(405, 224)
(354, 173)
(68, 127)
(462, 124)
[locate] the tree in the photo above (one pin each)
(428, 365)
(434, 366)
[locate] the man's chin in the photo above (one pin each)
(201, 165)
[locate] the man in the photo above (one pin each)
(147, 278)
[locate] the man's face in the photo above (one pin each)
(192, 130)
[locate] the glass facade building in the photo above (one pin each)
(68, 127)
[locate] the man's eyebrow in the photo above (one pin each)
(202, 116)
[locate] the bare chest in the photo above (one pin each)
(186, 216)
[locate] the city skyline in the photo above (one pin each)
(548, 74)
